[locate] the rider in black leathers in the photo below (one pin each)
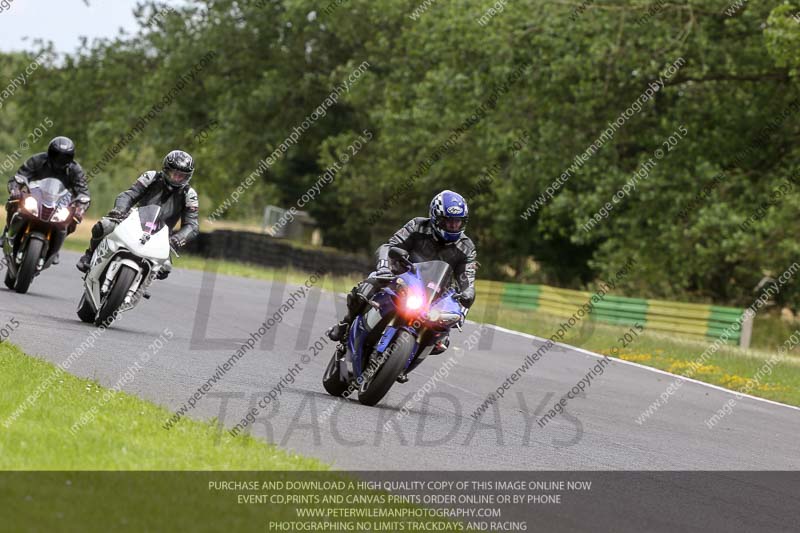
(168, 188)
(439, 237)
(58, 162)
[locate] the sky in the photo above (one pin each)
(62, 21)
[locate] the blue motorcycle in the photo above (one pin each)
(400, 328)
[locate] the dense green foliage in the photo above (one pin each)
(582, 65)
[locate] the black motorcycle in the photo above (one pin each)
(37, 231)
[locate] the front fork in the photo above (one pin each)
(18, 252)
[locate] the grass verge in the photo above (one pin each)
(124, 472)
(126, 433)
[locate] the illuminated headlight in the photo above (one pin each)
(413, 302)
(61, 215)
(30, 204)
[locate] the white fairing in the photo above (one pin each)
(115, 250)
(129, 233)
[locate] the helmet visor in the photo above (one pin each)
(61, 160)
(452, 224)
(178, 177)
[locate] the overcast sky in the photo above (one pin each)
(62, 21)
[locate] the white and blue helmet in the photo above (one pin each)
(449, 215)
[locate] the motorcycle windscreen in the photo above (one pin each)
(51, 192)
(150, 217)
(435, 277)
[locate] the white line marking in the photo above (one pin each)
(651, 369)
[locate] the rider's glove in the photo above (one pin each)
(116, 214)
(467, 297)
(14, 191)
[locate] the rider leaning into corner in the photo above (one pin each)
(168, 188)
(58, 162)
(438, 237)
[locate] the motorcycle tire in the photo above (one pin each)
(27, 270)
(375, 387)
(116, 296)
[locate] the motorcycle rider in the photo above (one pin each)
(58, 162)
(168, 188)
(438, 237)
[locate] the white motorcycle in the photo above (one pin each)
(124, 264)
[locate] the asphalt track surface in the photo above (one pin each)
(598, 431)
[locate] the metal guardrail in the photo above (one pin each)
(694, 320)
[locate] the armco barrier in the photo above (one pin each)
(694, 320)
(261, 249)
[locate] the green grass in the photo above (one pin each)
(126, 434)
(124, 472)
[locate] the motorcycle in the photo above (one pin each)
(36, 231)
(405, 320)
(124, 265)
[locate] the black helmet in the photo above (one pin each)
(178, 168)
(61, 152)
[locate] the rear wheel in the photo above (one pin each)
(397, 353)
(9, 279)
(85, 311)
(116, 296)
(27, 270)
(332, 379)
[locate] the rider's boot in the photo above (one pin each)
(338, 332)
(85, 262)
(356, 302)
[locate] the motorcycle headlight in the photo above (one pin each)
(30, 205)
(413, 302)
(61, 215)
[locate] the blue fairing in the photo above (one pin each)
(356, 343)
(386, 338)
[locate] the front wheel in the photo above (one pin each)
(379, 378)
(116, 296)
(27, 270)
(9, 279)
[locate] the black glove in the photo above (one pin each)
(467, 297)
(116, 214)
(14, 192)
(177, 242)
